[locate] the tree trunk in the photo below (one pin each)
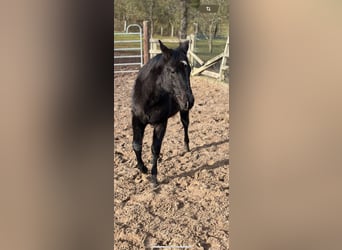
(151, 29)
(161, 30)
(151, 18)
(210, 44)
(215, 30)
(172, 30)
(184, 19)
(210, 40)
(196, 28)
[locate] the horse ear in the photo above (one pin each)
(165, 50)
(184, 46)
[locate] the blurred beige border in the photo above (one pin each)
(53, 182)
(286, 120)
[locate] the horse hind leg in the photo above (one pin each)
(158, 135)
(138, 134)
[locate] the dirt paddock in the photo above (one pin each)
(191, 206)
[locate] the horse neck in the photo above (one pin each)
(148, 90)
(151, 81)
(155, 91)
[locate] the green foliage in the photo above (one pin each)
(195, 3)
(166, 15)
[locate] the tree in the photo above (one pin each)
(129, 10)
(209, 22)
(184, 9)
(151, 4)
(175, 16)
(171, 11)
(184, 19)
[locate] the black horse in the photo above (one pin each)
(161, 89)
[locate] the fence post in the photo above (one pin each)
(192, 48)
(154, 47)
(146, 42)
(225, 57)
(125, 26)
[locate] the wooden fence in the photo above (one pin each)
(154, 46)
(151, 49)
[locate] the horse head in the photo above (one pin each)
(176, 74)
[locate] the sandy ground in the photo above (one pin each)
(191, 206)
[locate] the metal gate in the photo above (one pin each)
(128, 50)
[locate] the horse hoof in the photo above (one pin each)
(186, 148)
(154, 181)
(143, 169)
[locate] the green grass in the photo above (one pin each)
(201, 45)
(125, 37)
(202, 48)
(121, 38)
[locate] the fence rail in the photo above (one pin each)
(138, 48)
(154, 46)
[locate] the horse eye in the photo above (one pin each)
(184, 64)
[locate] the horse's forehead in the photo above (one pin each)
(180, 59)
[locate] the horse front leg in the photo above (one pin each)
(138, 134)
(158, 135)
(185, 121)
